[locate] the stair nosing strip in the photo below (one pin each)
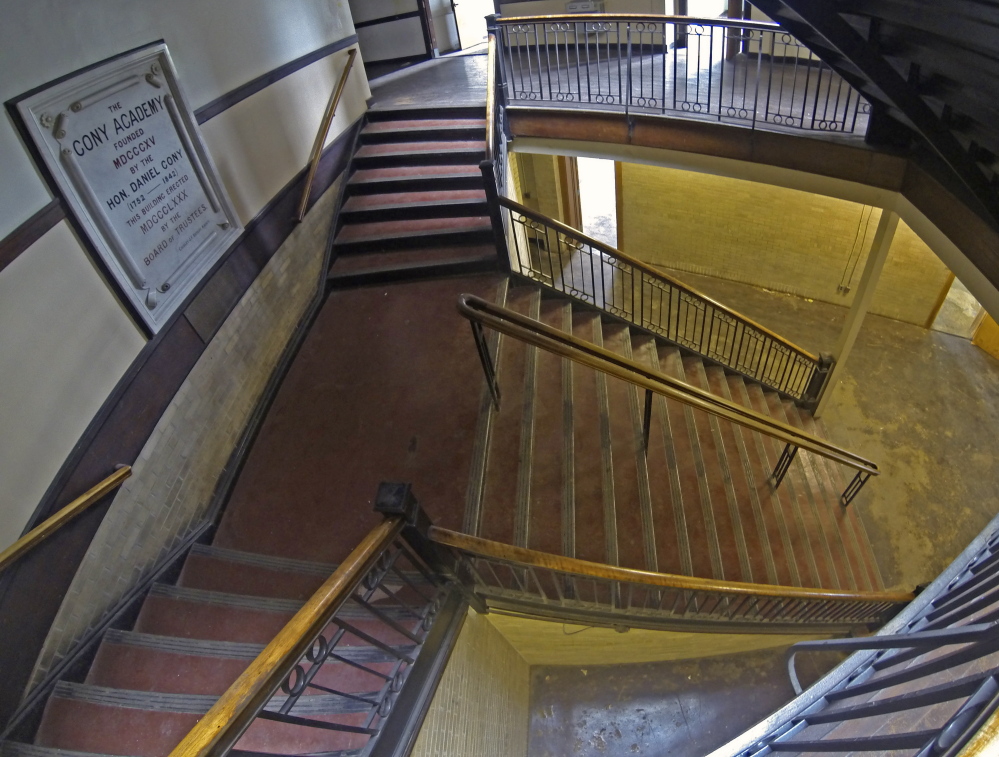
(568, 446)
(707, 511)
(196, 704)
(17, 749)
(807, 473)
(642, 464)
(417, 234)
(235, 650)
(824, 481)
(286, 564)
(731, 497)
(472, 521)
(789, 485)
(775, 503)
(416, 205)
(522, 517)
(225, 599)
(739, 434)
(676, 488)
(606, 454)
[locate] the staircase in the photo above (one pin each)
(149, 685)
(414, 203)
(562, 468)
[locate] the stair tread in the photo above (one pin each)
(423, 124)
(370, 232)
(197, 704)
(415, 173)
(390, 149)
(391, 200)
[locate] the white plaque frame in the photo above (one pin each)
(123, 149)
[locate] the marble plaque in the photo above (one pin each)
(122, 146)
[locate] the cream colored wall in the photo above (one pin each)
(66, 341)
(54, 379)
(542, 642)
(481, 706)
(537, 183)
(769, 236)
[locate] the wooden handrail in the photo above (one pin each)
(649, 270)
(232, 714)
(491, 98)
(510, 553)
(541, 335)
(324, 128)
(49, 526)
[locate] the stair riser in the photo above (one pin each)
(135, 668)
(401, 213)
(443, 239)
(374, 278)
(421, 184)
(422, 135)
(458, 157)
(436, 112)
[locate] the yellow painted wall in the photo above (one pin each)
(542, 642)
(772, 237)
(481, 705)
(987, 336)
(536, 181)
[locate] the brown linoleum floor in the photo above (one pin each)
(683, 708)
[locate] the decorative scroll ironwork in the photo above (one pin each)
(555, 257)
(736, 71)
(375, 636)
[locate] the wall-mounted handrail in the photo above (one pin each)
(232, 714)
(480, 313)
(324, 128)
(511, 553)
(46, 528)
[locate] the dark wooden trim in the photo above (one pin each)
(218, 105)
(387, 19)
(30, 231)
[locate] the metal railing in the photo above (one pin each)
(481, 313)
(566, 260)
(383, 599)
(49, 526)
(545, 585)
(925, 685)
(732, 71)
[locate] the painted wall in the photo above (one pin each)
(401, 38)
(782, 239)
(66, 340)
(481, 705)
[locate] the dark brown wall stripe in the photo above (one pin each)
(226, 101)
(30, 231)
(387, 19)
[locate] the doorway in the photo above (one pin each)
(470, 16)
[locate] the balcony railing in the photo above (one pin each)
(733, 71)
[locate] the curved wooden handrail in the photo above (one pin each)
(46, 528)
(649, 270)
(763, 26)
(551, 339)
(232, 714)
(510, 553)
(491, 98)
(324, 128)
